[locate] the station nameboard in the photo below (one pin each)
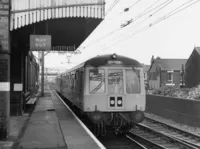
(40, 42)
(4, 25)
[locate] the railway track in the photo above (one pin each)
(176, 133)
(158, 139)
(111, 141)
(144, 136)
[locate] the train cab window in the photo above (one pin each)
(97, 81)
(115, 81)
(132, 82)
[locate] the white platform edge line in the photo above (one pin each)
(81, 123)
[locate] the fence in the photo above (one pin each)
(179, 110)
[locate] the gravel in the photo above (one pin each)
(194, 130)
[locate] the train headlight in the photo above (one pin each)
(112, 101)
(119, 101)
(114, 56)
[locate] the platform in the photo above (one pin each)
(52, 126)
(76, 136)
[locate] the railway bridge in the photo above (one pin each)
(67, 22)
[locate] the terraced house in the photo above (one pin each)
(164, 72)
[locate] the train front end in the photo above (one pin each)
(114, 92)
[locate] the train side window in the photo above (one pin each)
(97, 81)
(132, 82)
(76, 75)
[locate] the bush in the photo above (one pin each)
(194, 93)
(176, 91)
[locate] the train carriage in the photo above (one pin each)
(109, 89)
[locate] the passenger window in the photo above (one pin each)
(97, 81)
(132, 81)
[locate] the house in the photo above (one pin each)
(192, 69)
(164, 72)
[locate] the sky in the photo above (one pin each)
(172, 37)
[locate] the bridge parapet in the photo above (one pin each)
(25, 12)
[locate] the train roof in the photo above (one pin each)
(103, 59)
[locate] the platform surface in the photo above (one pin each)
(52, 126)
(75, 135)
(43, 130)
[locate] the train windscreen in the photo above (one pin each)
(115, 81)
(97, 81)
(132, 81)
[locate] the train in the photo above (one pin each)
(32, 73)
(31, 78)
(108, 89)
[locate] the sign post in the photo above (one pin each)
(4, 68)
(41, 43)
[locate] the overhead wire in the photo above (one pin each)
(136, 18)
(109, 9)
(162, 5)
(175, 11)
(119, 14)
(127, 8)
(160, 19)
(106, 47)
(155, 22)
(103, 37)
(146, 11)
(112, 6)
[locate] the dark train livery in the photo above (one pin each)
(109, 89)
(31, 78)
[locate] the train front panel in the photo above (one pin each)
(114, 89)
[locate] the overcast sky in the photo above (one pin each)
(173, 37)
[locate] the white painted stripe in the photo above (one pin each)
(60, 13)
(63, 12)
(5, 86)
(81, 123)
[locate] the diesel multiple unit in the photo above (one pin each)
(109, 89)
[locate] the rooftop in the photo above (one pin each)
(197, 49)
(170, 64)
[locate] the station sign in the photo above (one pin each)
(40, 42)
(4, 25)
